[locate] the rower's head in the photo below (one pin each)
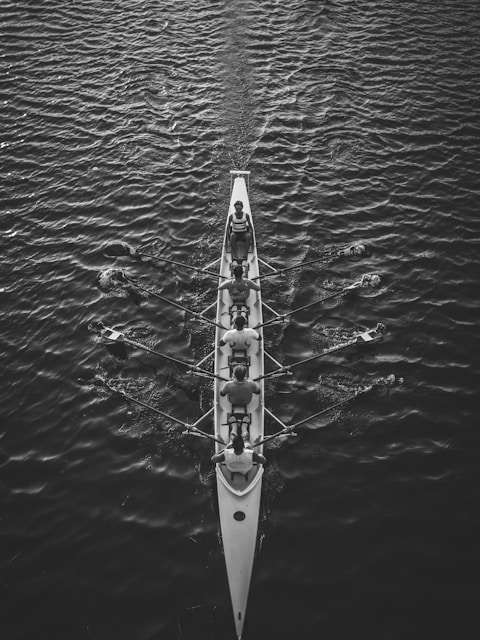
(239, 373)
(239, 322)
(238, 271)
(238, 445)
(238, 207)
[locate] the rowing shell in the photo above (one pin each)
(239, 496)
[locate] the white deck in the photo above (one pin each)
(238, 496)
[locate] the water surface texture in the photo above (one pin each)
(359, 122)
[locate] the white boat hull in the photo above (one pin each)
(239, 498)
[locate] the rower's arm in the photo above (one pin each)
(223, 391)
(257, 337)
(222, 342)
(253, 285)
(257, 457)
(219, 457)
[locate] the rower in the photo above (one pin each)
(239, 338)
(240, 392)
(239, 231)
(239, 457)
(239, 290)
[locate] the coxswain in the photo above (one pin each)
(239, 231)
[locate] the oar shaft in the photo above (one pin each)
(327, 352)
(287, 368)
(281, 317)
(185, 425)
(312, 417)
(277, 315)
(147, 406)
(278, 318)
(279, 271)
(274, 417)
(179, 264)
(196, 314)
(321, 413)
(312, 304)
(193, 368)
(138, 345)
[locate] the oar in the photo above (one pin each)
(130, 251)
(279, 271)
(196, 314)
(185, 425)
(366, 337)
(118, 336)
(330, 258)
(292, 427)
(179, 264)
(283, 316)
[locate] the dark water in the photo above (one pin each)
(359, 121)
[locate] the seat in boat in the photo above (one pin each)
(238, 357)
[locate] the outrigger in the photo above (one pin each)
(238, 494)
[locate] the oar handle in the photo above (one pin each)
(281, 371)
(279, 318)
(203, 373)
